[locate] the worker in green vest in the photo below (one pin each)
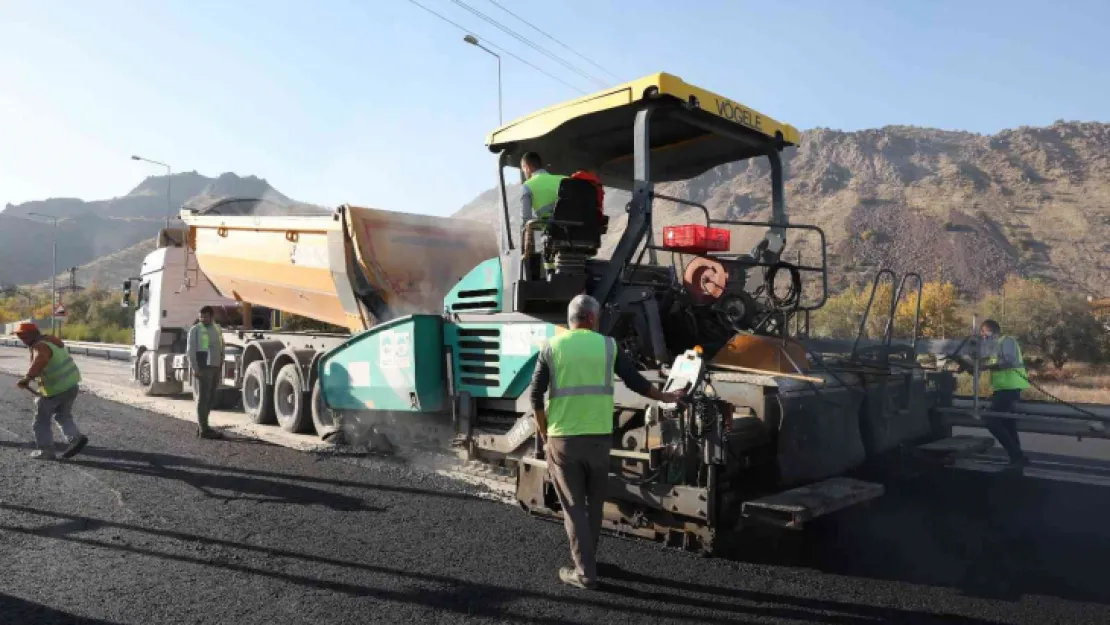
(58, 385)
(1001, 355)
(577, 426)
(205, 349)
(538, 196)
(541, 189)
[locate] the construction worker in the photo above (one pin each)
(205, 349)
(577, 426)
(541, 189)
(58, 381)
(1001, 355)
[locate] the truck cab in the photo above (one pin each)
(167, 295)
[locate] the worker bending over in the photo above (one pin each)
(577, 426)
(1002, 356)
(58, 380)
(205, 349)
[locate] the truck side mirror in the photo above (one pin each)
(126, 301)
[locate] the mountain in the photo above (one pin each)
(967, 207)
(91, 230)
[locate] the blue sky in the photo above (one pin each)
(378, 103)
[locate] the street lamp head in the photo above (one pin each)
(471, 39)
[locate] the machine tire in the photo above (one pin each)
(144, 374)
(258, 401)
(322, 416)
(289, 400)
(145, 378)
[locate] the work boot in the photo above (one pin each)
(1018, 464)
(39, 454)
(210, 434)
(76, 446)
(570, 577)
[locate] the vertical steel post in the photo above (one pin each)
(975, 368)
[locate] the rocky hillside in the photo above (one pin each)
(90, 230)
(970, 208)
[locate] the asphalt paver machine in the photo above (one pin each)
(766, 436)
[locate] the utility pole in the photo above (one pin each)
(53, 272)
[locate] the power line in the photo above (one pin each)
(521, 38)
(541, 31)
(495, 47)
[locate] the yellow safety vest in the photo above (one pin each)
(1015, 379)
(61, 373)
(581, 391)
(545, 192)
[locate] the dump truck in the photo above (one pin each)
(346, 269)
(771, 428)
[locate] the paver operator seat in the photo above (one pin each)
(572, 236)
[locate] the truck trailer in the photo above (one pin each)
(347, 270)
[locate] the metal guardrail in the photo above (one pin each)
(109, 351)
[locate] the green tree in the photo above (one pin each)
(940, 316)
(1058, 325)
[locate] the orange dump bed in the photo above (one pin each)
(337, 267)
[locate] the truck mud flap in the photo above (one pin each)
(794, 508)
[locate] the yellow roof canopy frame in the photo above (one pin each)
(691, 131)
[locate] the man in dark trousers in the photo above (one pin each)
(205, 349)
(1001, 355)
(577, 426)
(58, 381)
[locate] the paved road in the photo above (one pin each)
(150, 525)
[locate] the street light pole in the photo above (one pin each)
(472, 40)
(169, 184)
(53, 274)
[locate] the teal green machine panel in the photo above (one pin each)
(480, 291)
(495, 359)
(397, 365)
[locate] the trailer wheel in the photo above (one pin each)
(258, 403)
(322, 416)
(289, 400)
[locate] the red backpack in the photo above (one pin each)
(582, 174)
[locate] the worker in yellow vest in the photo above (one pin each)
(58, 381)
(1001, 355)
(577, 426)
(538, 196)
(540, 191)
(205, 349)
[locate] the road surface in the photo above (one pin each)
(151, 525)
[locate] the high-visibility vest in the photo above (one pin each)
(581, 391)
(205, 343)
(61, 373)
(204, 340)
(545, 192)
(1014, 379)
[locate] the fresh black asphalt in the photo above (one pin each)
(151, 525)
